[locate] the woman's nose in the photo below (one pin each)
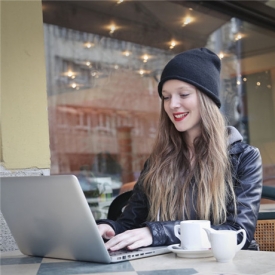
(174, 102)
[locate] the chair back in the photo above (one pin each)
(118, 204)
(265, 229)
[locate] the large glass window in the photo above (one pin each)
(104, 60)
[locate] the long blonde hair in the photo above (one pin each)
(170, 179)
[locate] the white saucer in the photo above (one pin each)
(185, 253)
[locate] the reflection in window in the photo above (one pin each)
(102, 84)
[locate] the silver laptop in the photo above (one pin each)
(49, 216)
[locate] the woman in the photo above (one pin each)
(198, 168)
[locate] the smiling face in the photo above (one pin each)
(181, 103)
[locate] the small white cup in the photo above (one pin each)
(224, 244)
(191, 234)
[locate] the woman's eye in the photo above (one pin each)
(165, 97)
(184, 95)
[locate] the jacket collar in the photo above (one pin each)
(234, 140)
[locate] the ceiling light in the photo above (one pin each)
(112, 29)
(73, 85)
(258, 83)
(88, 45)
(126, 53)
(172, 44)
(145, 58)
(244, 79)
(238, 37)
(141, 72)
(221, 55)
(88, 63)
(70, 74)
(187, 20)
(119, 1)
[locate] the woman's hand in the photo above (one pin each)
(106, 231)
(131, 239)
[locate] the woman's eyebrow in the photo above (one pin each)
(184, 88)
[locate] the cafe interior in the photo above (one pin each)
(79, 84)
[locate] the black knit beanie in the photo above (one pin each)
(199, 67)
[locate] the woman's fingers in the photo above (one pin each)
(117, 242)
(131, 239)
(106, 231)
(109, 234)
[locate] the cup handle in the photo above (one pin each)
(176, 231)
(240, 246)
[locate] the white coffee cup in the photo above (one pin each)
(191, 234)
(224, 243)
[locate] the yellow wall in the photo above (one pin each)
(1, 157)
(24, 119)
